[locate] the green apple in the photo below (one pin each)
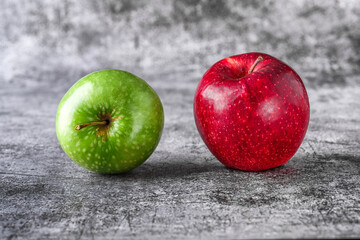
(110, 121)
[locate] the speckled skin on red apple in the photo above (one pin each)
(253, 121)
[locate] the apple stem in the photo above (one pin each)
(259, 59)
(81, 126)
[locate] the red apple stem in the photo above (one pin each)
(81, 126)
(259, 59)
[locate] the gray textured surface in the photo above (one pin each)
(181, 191)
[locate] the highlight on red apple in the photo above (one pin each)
(252, 111)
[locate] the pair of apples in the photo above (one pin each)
(251, 110)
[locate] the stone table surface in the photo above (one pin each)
(181, 191)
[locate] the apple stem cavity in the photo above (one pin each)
(259, 59)
(81, 126)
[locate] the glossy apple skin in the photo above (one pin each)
(134, 130)
(253, 121)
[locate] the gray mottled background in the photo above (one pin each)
(60, 41)
(181, 191)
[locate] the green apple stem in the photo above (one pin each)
(259, 59)
(81, 126)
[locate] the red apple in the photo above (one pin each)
(252, 111)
